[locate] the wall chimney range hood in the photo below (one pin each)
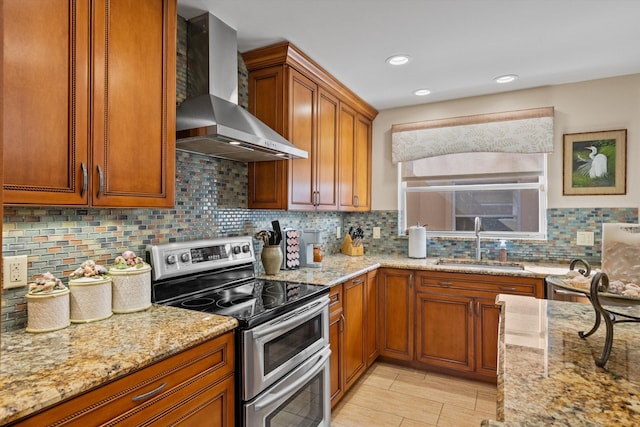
(210, 121)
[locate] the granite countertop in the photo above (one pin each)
(38, 370)
(339, 268)
(547, 375)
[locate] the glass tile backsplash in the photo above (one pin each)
(211, 200)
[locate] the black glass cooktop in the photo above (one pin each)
(252, 302)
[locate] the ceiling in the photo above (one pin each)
(457, 47)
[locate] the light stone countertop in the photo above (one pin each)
(547, 374)
(339, 268)
(38, 370)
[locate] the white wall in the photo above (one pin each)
(596, 105)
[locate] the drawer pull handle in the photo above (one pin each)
(508, 288)
(148, 394)
(445, 284)
(357, 281)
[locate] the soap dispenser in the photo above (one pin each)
(503, 251)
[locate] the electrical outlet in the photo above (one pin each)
(584, 238)
(376, 232)
(14, 271)
(338, 232)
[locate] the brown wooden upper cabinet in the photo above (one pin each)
(305, 104)
(89, 97)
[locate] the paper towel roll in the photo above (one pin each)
(417, 242)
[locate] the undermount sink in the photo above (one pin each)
(481, 265)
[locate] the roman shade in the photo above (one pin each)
(523, 131)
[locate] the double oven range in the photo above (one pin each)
(282, 342)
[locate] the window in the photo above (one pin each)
(447, 193)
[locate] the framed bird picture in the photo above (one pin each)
(595, 163)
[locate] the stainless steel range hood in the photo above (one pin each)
(210, 121)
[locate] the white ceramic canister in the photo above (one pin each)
(131, 289)
(90, 299)
(417, 242)
(48, 311)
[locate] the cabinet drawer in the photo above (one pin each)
(140, 387)
(335, 299)
(472, 283)
(208, 400)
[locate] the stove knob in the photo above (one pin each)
(171, 259)
(246, 249)
(185, 257)
(236, 250)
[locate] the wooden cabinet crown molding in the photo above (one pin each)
(286, 53)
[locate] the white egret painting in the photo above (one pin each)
(595, 163)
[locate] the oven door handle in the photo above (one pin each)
(270, 398)
(294, 318)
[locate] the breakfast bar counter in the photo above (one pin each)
(547, 374)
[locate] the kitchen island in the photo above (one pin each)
(547, 375)
(38, 370)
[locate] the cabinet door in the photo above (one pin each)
(133, 117)
(445, 331)
(268, 181)
(336, 329)
(45, 89)
(355, 161)
(396, 301)
(487, 316)
(303, 95)
(371, 323)
(346, 173)
(355, 361)
(336, 340)
(362, 164)
(326, 152)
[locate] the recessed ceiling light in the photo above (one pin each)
(507, 78)
(421, 92)
(398, 59)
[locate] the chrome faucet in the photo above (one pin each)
(476, 228)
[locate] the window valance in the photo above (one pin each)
(524, 131)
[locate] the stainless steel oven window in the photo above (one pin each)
(284, 347)
(309, 325)
(301, 398)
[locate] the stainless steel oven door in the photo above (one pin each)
(300, 399)
(272, 349)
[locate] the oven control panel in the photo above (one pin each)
(179, 259)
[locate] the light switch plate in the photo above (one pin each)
(14, 271)
(376, 232)
(584, 238)
(338, 232)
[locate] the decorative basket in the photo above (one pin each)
(131, 289)
(48, 312)
(90, 299)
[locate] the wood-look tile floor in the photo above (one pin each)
(389, 395)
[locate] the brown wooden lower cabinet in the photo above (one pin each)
(352, 331)
(449, 322)
(194, 387)
(395, 313)
(336, 330)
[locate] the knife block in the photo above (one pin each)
(349, 249)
